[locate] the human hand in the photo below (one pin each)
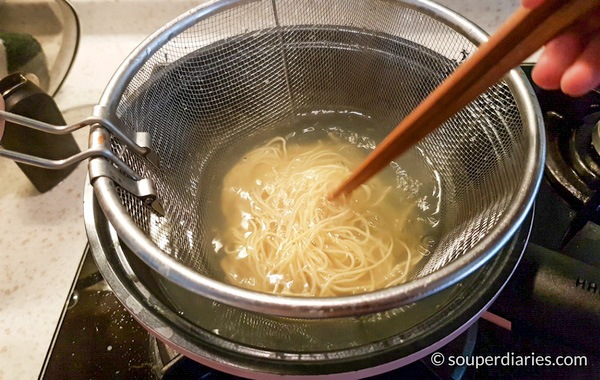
(571, 61)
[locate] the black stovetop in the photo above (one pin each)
(98, 338)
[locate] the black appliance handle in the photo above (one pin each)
(23, 97)
(553, 294)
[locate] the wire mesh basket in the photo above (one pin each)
(230, 71)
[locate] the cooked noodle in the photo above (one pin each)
(284, 237)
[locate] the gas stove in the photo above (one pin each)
(549, 309)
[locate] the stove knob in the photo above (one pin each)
(596, 137)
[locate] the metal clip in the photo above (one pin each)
(144, 149)
(120, 173)
(141, 188)
(141, 143)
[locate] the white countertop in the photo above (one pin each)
(42, 236)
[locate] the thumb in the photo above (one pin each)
(532, 3)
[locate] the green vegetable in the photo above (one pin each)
(20, 49)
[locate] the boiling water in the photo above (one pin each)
(410, 211)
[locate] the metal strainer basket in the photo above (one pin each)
(231, 70)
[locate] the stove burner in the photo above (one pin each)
(596, 138)
(583, 155)
(573, 156)
(573, 163)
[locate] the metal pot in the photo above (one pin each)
(263, 346)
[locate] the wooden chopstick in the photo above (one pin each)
(518, 38)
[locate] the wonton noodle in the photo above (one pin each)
(283, 236)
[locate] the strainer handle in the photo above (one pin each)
(141, 146)
(96, 150)
(43, 126)
(99, 142)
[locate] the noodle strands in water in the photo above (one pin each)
(283, 236)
